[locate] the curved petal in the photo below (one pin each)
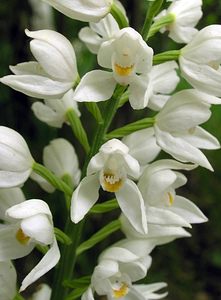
(132, 205)
(91, 39)
(202, 139)
(139, 92)
(28, 209)
(37, 86)
(164, 216)
(188, 210)
(49, 260)
(84, 197)
(180, 149)
(13, 179)
(118, 254)
(88, 295)
(95, 86)
(96, 164)
(43, 293)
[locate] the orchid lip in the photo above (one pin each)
(123, 71)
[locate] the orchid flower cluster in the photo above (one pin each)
(121, 170)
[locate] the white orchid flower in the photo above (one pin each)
(200, 60)
(119, 266)
(31, 224)
(186, 15)
(158, 185)
(53, 111)
(8, 280)
(55, 71)
(42, 15)
(83, 10)
(176, 127)
(60, 158)
(130, 59)
(97, 33)
(15, 158)
(110, 169)
(163, 80)
(43, 293)
(144, 150)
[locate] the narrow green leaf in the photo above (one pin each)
(76, 294)
(166, 56)
(93, 108)
(123, 99)
(130, 128)
(77, 283)
(62, 237)
(99, 236)
(104, 207)
(78, 129)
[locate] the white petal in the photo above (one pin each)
(43, 293)
(139, 92)
(31, 68)
(181, 150)
(131, 165)
(142, 145)
(88, 295)
(91, 39)
(131, 203)
(96, 164)
(188, 210)
(163, 216)
(8, 198)
(51, 48)
(49, 260)
(201, 77)
(13, 179)
(28, 209)
(8, 280)
(95, 86)
(88, 11)
(118, 254)
(39, 228)
(202, 139)
(10, 247)
(37, 86)
(84, 197)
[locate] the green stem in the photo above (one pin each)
(119, 16)
(152, 10)
(51, 178)
(18, 297)
(130, 128)
(166, 56)
(68, 253)
(157, 25)
(78, 129)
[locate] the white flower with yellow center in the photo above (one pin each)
(30, 224)
(15, 158)
(119, 266)
(163, 207)
(130, 59)
(200, 60)
(111, 169)
(53, 74)
(186, 15)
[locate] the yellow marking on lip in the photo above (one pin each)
(123, 71)
(121, 292)
(21, 237)
(171, 198)
(111, 183)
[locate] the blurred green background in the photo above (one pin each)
(192, 266)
